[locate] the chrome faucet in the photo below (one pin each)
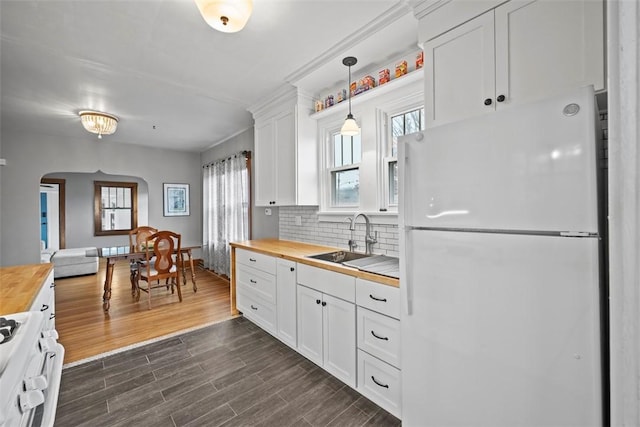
(369, 238)
(352, 240)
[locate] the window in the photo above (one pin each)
(401, 124)
(344, 170)
(115, 207)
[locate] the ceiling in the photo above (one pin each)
(173, 81)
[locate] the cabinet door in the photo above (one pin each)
(265, 166)
(286, 301)
(339, 328)
(310, 324)
(285, 151)
(460, 72)
(543, 47)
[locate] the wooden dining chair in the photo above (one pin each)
(160, 263)
(137, 239)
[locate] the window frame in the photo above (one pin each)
(97, 209)
(384, 115)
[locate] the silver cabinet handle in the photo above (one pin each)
(379, 337)
(378, 383)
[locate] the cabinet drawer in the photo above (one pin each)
(45, 303)
(380, 382)
(262, 262)
(257, 282)
(381, 298)
(328, 282)
(379, 335)
(261, 313)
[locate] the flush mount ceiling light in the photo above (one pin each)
(350, 127)
(228, 16)
(99, 123)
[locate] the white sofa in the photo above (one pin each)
(74, 262)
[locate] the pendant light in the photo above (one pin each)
(350, 127)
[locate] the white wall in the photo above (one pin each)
(261, 225)
(31, 156)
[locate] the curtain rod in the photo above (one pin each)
(245, 153)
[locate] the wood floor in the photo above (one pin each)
(85, 331)
(228, 374)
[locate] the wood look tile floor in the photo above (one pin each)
(228, 374)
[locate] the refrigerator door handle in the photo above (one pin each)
(405, 279)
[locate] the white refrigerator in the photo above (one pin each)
(500, 275)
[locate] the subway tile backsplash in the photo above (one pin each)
(333, 233)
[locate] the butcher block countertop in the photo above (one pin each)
(297, 251)
(19, 286)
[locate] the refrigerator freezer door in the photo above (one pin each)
(504, 331)
(530, 167)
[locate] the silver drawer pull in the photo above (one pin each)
(379, 384)
(253, 308)
(377, 299)
(379, 337)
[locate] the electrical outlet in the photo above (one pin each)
(298, 220)
(267, 211)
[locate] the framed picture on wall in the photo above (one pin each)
(176, 199)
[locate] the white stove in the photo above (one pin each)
(30, 370)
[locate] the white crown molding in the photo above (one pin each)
(392, 14)
(422, 8)
(286, 92)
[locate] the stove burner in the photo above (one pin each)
(8, 328)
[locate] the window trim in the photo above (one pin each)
(97, 207)
(326, 172)
(384, 114)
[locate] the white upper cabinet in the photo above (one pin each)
(285, 153)
(461, 72)
(520, 51)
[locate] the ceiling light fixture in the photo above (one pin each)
(350, 127)
(100, 123)
(228, 16)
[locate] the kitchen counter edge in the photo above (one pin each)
(298, 252)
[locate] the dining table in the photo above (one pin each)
(117, 253)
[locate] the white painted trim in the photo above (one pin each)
(623, 60)
(395, 12)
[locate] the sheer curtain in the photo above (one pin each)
(226, 203)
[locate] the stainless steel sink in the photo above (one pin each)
(377, 264)
(339, 256)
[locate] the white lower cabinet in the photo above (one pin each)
(327, 333)
(286, 301)
(379, 344)
(347, 326)
(256, 288)
(45, 302)
(380, 382)
(257, 310)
